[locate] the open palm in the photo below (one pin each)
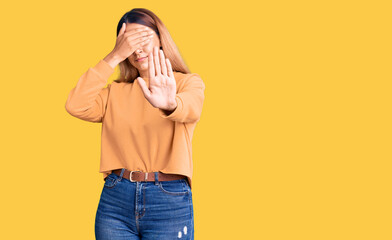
(162, 90)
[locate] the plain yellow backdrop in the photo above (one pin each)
(294, 141)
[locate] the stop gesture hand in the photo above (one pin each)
(161, 92)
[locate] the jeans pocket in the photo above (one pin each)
(187, 183)
(111, 180)
(175, 187)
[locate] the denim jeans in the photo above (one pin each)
(160, 210)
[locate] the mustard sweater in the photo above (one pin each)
(136, 135)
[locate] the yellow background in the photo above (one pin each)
(294, 141)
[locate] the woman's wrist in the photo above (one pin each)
(112, 59)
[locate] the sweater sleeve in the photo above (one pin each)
(88, 99)
(189, 100)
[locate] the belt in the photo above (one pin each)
(139, 176)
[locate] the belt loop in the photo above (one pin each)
(121, 174)
(156, 178)
(145, 176)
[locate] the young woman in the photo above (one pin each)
(148, 116)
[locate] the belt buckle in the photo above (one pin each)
(130, 176)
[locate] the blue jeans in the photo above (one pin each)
(144, 210)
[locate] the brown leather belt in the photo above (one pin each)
(138, 176)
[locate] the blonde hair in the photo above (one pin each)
(129, 73)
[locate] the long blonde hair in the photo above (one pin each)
(129, 73)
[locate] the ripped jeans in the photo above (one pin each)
(144, 210)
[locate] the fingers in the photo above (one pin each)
(156, 61)
(169, 68)
(122, 30)
(144, 87)
(138, 33)
(126, 32)
(151, 68)
(142, 41)
(157, 64)
(163, 63)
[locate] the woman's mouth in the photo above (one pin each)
(141, 59)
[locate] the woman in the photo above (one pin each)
(148, 117)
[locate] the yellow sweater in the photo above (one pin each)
(136, 135)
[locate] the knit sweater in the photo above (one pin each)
(135, 135)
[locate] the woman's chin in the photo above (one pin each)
(143, 67)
